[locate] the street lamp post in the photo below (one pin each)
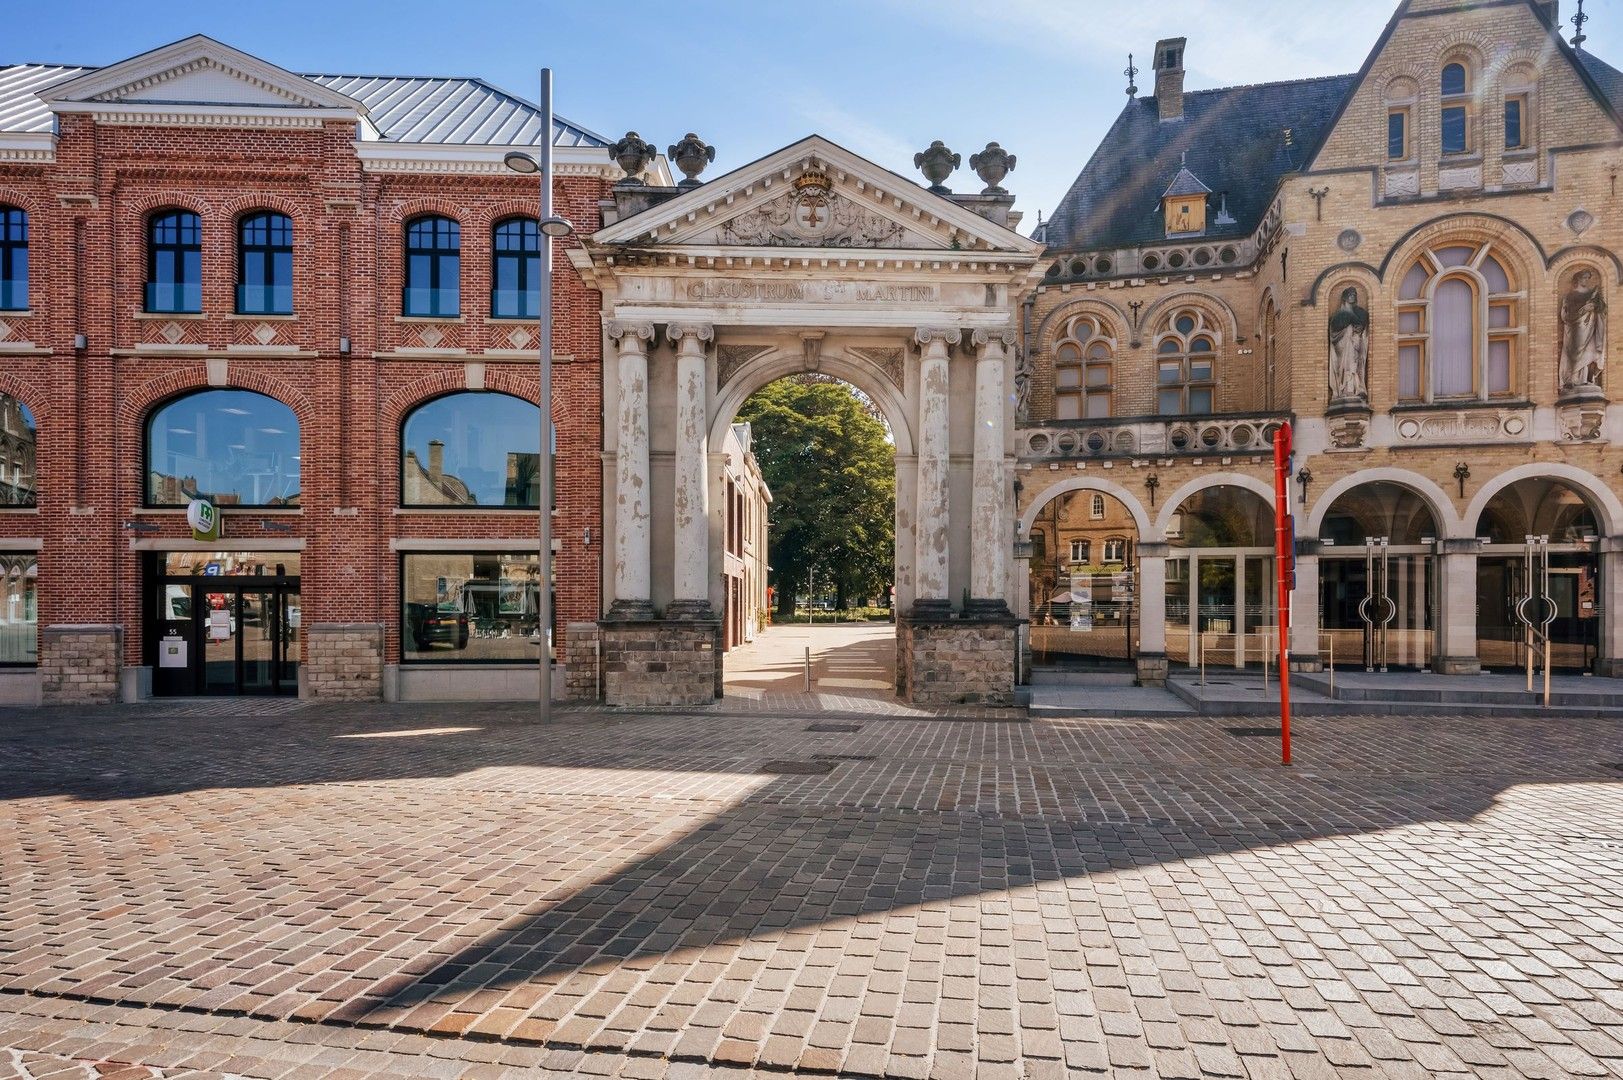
(550, 228)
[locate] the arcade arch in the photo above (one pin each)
(1220, 603)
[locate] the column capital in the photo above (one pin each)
(925, 336)
(980, 339)
(678, 332)
(620, 329)
(1153, 550)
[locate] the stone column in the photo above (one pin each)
(691, 599)
(930, 521)
(1152, 613)
(1456, 623)
(633, 551)
(990, 538)
(1610, 598)
(1305, 645)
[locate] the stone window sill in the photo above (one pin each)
(430, 318)
(1454, 405)
(166, 315)
(16, 313)
(243, 317)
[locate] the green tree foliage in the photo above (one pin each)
(831, 467)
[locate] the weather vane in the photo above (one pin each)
(1131, 73)
(1578, 21)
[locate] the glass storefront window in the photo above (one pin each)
(475, 448)
(19, 611)
(17, 443)
(470, 607)
(231, 447)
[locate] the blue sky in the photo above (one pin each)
(882, 77)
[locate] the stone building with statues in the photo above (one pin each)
(1414, 264)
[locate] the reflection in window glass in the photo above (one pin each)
(19, 614)
(468, 607)
(472, 449)
(17, 485)
(231, 447)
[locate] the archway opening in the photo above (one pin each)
(1082, 583)
(1220, 604)
(1377, 579)
(807, 488)
(1540, 561)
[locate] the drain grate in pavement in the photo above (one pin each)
(798, 768)
(832, 729)
(843, 757)
(1253, 732)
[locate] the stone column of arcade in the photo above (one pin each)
(1610, 662)
(930, 596)
(633, 549)
(1307, 654)
(691, 598)
(990, 540)
(1456, 624)
(1152, 613)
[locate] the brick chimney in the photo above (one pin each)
(436, 461)
(1169, 78)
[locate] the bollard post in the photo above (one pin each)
(808, 669)
(1203, 659)
(1266, 639)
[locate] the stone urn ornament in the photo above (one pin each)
(992, 165)
(633, 154)
(691, 155)
(937, 163)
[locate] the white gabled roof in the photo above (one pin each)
(418, 109)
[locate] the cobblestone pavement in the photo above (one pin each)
(449, 892)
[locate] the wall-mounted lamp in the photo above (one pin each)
(1462, 473)
(1304, 477)
(80, 342)
(276, 526)
(141, 526)
(343, 346)
(586, 536)
(1151, 482)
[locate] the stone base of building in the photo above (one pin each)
(344, 661)
(1153, 669)
(1307, 665)
(80, 664)
(651, 663)
(941, 660)
(1456, 665)
(1609, 667)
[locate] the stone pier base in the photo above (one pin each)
(665, 662)
(80, 664)
(1153, 669)
(948, 661)
(1456, 665)
(344, 661)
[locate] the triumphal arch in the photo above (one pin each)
(810, 259)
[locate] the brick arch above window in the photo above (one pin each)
(142, 398)
(244, 205)
(1461, 315)
(1217, 311)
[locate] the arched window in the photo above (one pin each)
(265, 264)
(1083, 371)
(17, 442)
(231, 447)
(515, 269)
(1097, 510)
(1186, 364)
(1461, 325)
(1400, 99)
(1270, 351)
(13, 259)
(433, 268)
(1518, 85)
(472, 448)
(174, 262)
(1457, 108)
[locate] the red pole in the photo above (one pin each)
(1284, 573)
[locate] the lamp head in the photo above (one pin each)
(556, 227)
(520, 162)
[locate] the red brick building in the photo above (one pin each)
(309, 300)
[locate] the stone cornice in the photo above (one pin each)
(475, 160)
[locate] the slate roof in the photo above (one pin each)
(1607, 77)
(1235, 139)
(403, 109)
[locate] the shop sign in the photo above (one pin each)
(204, 518)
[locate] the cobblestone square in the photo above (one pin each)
(304, 891)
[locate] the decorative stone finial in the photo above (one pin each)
(937, 163)
(992, 165)
(1578, 20)
(691, 155)
(633, 153)
(1132, 77)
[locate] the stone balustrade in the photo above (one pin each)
(1150, 436)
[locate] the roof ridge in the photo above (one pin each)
(1262, 85)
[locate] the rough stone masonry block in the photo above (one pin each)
(661, 663)
(344, 661)
(956, 661)
(78, 664)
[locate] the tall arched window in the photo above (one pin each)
(515, 269)
(231, 447)
(1083, 371)
(13, 259)
(1457, 108)
(174, 262)
(265, 264)
(1461, 325)
(17, 445)
(1186, 364)
(433, 268)
(1270, 351)
(471, 448)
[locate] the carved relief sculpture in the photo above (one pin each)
(812, 217)
(1583, 333)
(1349, 349)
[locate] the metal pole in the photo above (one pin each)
(808, 596)
(808, 669)
(545, 566)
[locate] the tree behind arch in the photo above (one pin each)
(830, 466)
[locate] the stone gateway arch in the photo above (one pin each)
(811, 259)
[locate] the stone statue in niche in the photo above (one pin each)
(1349, 349)
(1583, 333)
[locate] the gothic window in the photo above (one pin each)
(1456, 108)
(13, 259)
(265, 264)
(1461, 325)
(1084, 371)
(433, 284)
(1270, 350)
(1097, 510)
(1186, 364)
(174, 262)
(515, 271)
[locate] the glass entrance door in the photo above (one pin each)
(1502, 582)
(218, 616)
(1354, 629)
(215, 634)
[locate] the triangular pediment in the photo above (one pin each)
(818, 195)
(197, 72)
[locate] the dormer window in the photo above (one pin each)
(1184, 204)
